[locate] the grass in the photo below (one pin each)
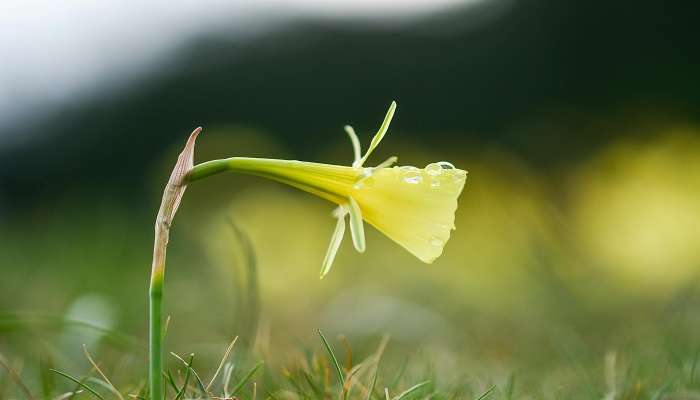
(309, 378)
(323, 373)
(626, 357)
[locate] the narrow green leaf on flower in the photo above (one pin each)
(357, 229)
(356, 150)
(333, 247)
(388, 162)
(380, 134)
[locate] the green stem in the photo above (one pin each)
(174, 190)
(324, 180)
(155, 339)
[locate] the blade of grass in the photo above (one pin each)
(399, 375)
(487, 393)
(169, 377)
(351, 379)
(221, 364)
(329, 349)
(510, 387)
(252, 309)
(166, 326)
(371, 386)
(15, 377)
(317, 391)
(18, 320)
(187, 378)
(297, 386)
(80, 383)
(99, 371)
(226, 378)
(47, 378)
(693, 366)
(77, 390)
(246, 378)
(411, 390)
(194, 373)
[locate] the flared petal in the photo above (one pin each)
(413, 207)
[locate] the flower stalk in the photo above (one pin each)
(172, 195)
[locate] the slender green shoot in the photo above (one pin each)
(78, 382)
(372, 385)
(399, 375)
(187, 378)
(510, 387)
(246, 378)
(411, 390)
(171, 381)
(329, 349)
(200, 384)
(110, 386)
(221, 364)
(487, 393)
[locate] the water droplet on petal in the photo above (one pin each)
(411, 175)
(366, 180)
(437, 242)
(433, 169)
(446, 165)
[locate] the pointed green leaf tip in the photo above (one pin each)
(379, 135)
(336, 239)
(357, 229)
(356, 150)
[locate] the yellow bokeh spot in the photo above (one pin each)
(636, 212)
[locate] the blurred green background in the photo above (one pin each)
(578, 231)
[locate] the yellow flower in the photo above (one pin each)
(412, 206)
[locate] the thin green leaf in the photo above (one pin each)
(380, 133)
(80, 383)
(329, 349)
(510, 387)
(487, 393)
(194, 373)
(399, 375)
(317, 391)
(410, 390)
(187, 377)
(246, 378)
(47, 378)
(110, 386)
(334, 245)
(357, 229)
(373, 384)
(221, 364)
(356, 150)
(171, 381)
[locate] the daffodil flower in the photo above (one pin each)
(412, 206)
(415, 207)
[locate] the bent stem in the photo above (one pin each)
(172, 195)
